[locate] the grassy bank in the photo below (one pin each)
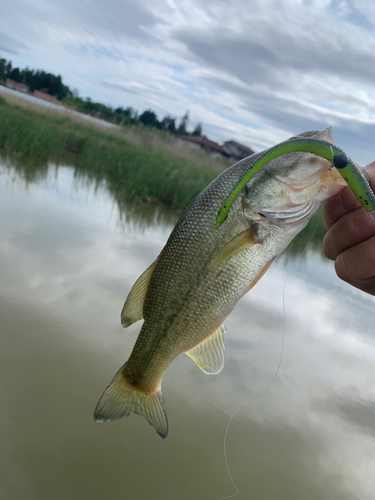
(144, 137)
(136, 171)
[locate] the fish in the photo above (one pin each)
(203, 271)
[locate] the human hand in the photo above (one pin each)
(350, 240)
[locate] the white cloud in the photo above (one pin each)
(257, 72)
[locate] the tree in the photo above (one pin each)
(149, 118)
(129, 112)
(2, 69)
(172, 126)
(15, 75)
(182, 128)
(28, 77)
(197, 130)
(169, 124)
(8, 68)
(53, 85)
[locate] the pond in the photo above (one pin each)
(69, 255)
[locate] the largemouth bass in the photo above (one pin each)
(203, 271)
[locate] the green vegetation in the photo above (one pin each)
(35, 80)
(131, 171)
(119, 116)
(53, 85)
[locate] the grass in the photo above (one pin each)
(144, 137)
(133, 171)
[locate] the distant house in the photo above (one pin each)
(216, 149)
(237, 150)
(46, 97)
(11, 84)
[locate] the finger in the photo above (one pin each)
(337, 206)
(356, 265)
(350, 230)
(344, 201)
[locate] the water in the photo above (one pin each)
(67, 261)
(57, 108)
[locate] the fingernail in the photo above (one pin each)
(346, 199)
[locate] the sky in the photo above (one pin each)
(256, 71)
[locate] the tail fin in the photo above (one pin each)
(120, 399)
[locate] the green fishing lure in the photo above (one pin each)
(345, 166)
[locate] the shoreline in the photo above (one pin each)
(150, 138)
(137, 171)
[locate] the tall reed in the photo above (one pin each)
(136, 171)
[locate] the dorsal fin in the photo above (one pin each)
(133, 307)
(209, 354)
(241, 242)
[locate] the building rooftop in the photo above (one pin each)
(203, 141)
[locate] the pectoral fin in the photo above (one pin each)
(133, 307)
(209, 354)
(241, 242)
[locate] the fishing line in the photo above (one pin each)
(225, 455)
(277, 369)
(284, 312)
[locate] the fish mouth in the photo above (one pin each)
(293, 215)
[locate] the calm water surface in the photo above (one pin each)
(67, 263)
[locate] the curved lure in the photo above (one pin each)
(345, 166)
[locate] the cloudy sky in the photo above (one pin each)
(257, 71)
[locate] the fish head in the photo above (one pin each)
(291, 188)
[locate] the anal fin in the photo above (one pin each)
(133, 307)
(209, 354)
